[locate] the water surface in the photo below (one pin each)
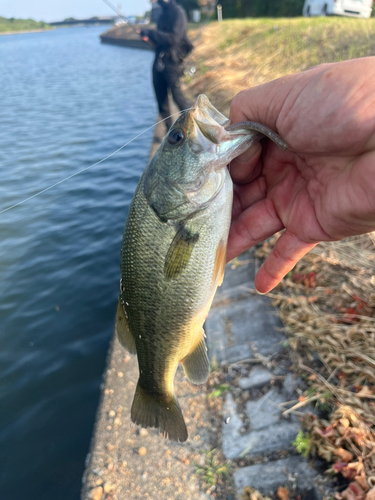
(66, 101)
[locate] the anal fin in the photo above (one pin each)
(196, 364)
(122, 329)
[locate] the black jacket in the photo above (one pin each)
(169, 37)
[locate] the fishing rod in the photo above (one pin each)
(122, 17)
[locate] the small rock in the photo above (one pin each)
(110, 447)
(108, 487)
(120, 374)
(95, 493)
(116, 421)
(99, 481)
(144, 476)
(245, 395)
(124, 464)
(112, 414)
(110, 466)
(227, 420)
(142, 451)
(143, 432)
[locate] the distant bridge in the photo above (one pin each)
(91, 21)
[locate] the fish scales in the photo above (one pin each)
(161, 319)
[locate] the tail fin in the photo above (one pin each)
(149, 410)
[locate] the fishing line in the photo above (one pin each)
(91, 166)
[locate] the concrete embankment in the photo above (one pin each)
(124, 36)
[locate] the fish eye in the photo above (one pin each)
(176, 137)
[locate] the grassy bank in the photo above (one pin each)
(16, 25)
(237, 54)
(327, 303)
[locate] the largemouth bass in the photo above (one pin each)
(173, 257)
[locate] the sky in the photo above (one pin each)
(57, 10)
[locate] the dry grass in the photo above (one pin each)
(237, 54)
(327, 304)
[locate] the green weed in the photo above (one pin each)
(302, 443)
(214, 470)
(218, 391)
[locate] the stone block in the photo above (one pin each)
(258, 377)
(277, 437)
(267, 477)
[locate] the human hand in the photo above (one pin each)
(323, 188)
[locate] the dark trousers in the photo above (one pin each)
(168, 78)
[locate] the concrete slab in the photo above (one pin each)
(267, 477)
(233, 328)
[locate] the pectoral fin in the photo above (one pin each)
(219, 269)
(196, 364)
(122, 329)
(179, 252)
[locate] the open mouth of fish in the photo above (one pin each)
(218, 129)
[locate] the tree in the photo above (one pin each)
(188, 5)
(261, 8)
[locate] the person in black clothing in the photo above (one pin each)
(169, 40)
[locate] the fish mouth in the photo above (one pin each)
(211, 125)
(209, 120)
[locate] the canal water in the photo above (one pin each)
(66, 101)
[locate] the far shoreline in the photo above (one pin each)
(3, 33)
